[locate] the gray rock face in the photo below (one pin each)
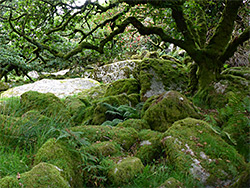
(115, 71)
(61, 88)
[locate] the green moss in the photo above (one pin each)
(3, 86)
(75, 106)
(58, 154)
(128, 86)
(9, 182)
(168, 108)
(93, 93)
(194, 148)
(125, 170)
(150, 150)
(137, 124)
(158, 76)
(106, 148)
(171, 183)
(126, 137)
(36, 116)
(43, 175)
(47, 104)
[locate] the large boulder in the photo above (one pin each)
(115, 71)
(125, 170)
(126, 137)
(158, 76)
(58, 154)
(46, 103)
(167, 108)
(193, 147)
(150, 147)
(61, 88)
(43, 175)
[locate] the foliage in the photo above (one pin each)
(115, 115)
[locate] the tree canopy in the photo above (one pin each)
(210, 31)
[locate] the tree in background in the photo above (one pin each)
(205, 29)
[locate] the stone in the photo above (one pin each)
(137, 124)
(167, 108)
(46, 103)
(128, 86)
(106, 148)
(61, 88)
(43, 175)
(114, 71)
(60, 155)
(158, 76)
(125, 170)
(194, 148)
(126, 137)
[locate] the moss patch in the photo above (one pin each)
(125, 170)
(168, 108)
(126, 137)
(171, 183)
(47, 104)
(43, 175)
(128, 86)
(106, 148)
(194, 148)
(137, 124)
(9, 182)
(58, 154)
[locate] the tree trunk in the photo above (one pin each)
(208, 72)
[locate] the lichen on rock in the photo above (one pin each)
(167, 108)
(194, 148)
(158, 76)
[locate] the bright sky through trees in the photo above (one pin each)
(81, 2)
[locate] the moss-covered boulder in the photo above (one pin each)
(171, 183)
(106, 148)
(137, 124)
(76, 108)
(150, 146)
(158, 76)
(168, 108)
(3, 87)
(126, 137)
(128, 86)
(35, 116)
(43, 175)
(60, 155)
(194, 148)
(47, 104)
(235, 79)
(125, 170)
(9, 182)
